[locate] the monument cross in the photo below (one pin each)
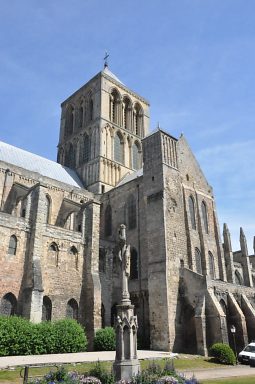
(126, 364)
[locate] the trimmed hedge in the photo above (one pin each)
(19, 336)
(223, 353)
(105, 339)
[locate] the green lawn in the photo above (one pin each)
(185, 362)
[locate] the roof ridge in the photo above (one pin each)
(37, 163)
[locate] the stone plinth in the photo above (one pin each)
(126, 364)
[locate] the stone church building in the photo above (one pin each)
(59, 226)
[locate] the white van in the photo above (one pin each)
(247, 355)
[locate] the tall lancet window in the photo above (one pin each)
(135, 156)
(126, 113)
(85, 149)
(91, 110)
(211, 265)
(192, 212)
(138, 120)
(12, 245)
(69, 121)
(118, 148)
(204, 216)
(198, 261)
(114, 106)
(80, 119)
(48, 208)
(71, 156)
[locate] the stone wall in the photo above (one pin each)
(57, 244)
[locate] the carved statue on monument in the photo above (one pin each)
(124, 257)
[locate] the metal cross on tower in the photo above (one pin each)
(105, 59)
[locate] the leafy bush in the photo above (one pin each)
(18, 336)
(105, 339)
(43, 338)
(69, 336)
(223, 353)
(15, 336)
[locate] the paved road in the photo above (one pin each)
(82, 357)
(217, 373)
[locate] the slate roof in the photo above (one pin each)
(131, 176)
(109, 73)
(41, 165)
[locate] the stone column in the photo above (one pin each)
(32, 285)
(126, 364)
(245, 260)
(228, 254)
(90, 302)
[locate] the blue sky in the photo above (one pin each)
(193, 60)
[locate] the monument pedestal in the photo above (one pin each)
(126, 364)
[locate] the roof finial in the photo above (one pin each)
(158, 127)
(105, 59)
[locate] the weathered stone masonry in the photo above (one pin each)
(59, 229)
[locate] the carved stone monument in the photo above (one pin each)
(126, 363)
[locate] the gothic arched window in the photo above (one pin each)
(238, 278)
(70, 158)
(135, 156)
(131, 208)
(192, 212)
(8, 306)
(204, 216)
(80, 115)
(53, 253)
(211, 265)
(48, 208)
(108, 221)
(198, 261)
(74, 253)
(86, 148)
(138, 120)
(134, 267)
(46, 309)
(12, 249)
(69, 121)
(126, 113)
(118, 148)
(23, 208)
(91, 110)
(224, 306)
(114, 106)
(72, 309)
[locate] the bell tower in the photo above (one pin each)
(102, 125)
